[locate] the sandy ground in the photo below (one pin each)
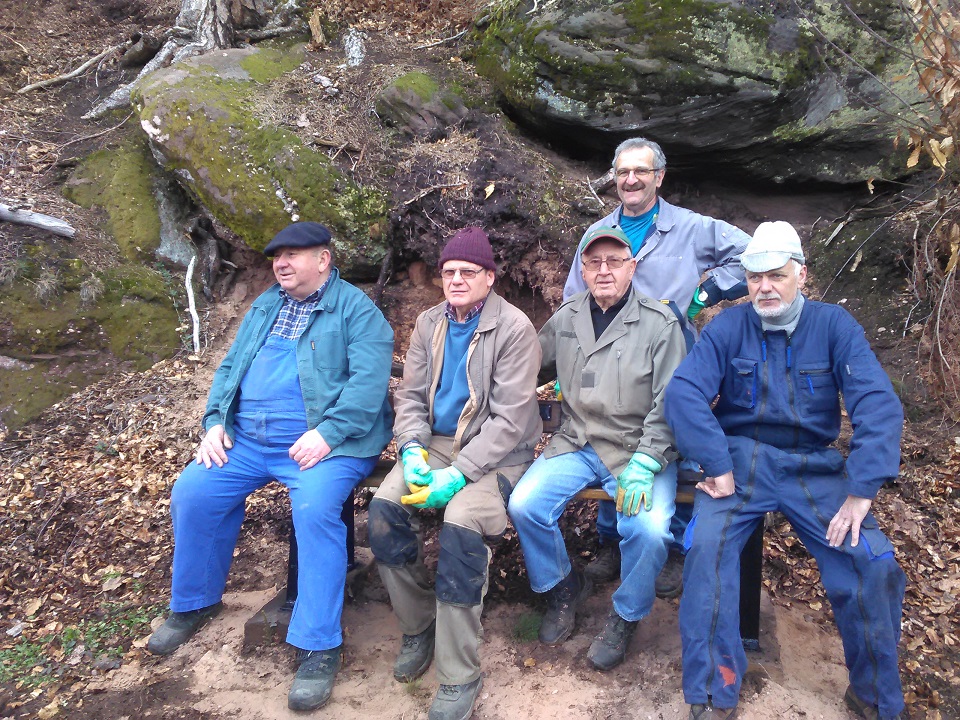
(798, 673)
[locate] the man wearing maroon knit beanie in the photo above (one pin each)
(467, 423)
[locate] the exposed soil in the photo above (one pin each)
(86, 487)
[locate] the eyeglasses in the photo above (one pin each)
(614, 263)
(465, 273)
(641, 172)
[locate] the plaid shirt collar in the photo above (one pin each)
(451, 312)
(294, 314)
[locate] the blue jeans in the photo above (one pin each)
(607, 519)
(207, 507)
(540, 498)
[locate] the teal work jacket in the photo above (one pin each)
(343, 359)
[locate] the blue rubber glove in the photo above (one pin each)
(416, 471)
(635, 484)
(556, 389)
(698, 302)
(445, 483)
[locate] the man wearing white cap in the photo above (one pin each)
(778, 365)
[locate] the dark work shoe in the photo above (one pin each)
(314, 680)
(180, 627)
(606, 565)
(610, 646)
(864, 709)
(416, 653)
(669, 583)
(563, 601)
(708, 712)
(455, 702)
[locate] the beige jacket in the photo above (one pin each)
(500, 423)
(613, 387)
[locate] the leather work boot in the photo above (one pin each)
(610, 646)
(180, 627)
(708, 712)
(864, 709)
(455, 702)
(669, 583)
(313, 682)
(563, 601)
(606, 565)
(416, 653)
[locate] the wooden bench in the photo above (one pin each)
(270, 623)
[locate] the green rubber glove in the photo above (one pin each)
(635, 484)
(446, 483)
(416, 471)
(556, 389)
(697, 303)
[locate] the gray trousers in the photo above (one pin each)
(477, 512)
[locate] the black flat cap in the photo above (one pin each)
(298, 235)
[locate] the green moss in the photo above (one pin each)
(121, 180)
(273, 59)
(420, 83)
(236, 165)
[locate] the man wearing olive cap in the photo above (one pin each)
(779, 365)
(300, 398)
(613, 350)
(674, 248)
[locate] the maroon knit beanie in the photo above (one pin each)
(470, 244)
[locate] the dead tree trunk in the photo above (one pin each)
(205, 25)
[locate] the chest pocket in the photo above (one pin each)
(744, 390)
(330, 353)
(817, 392)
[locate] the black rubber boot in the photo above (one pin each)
(563, 601)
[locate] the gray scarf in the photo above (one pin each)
(787, 320)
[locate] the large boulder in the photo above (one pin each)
(418, 107)
(253, 176)
(716, 83)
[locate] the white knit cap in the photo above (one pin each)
(773, 244)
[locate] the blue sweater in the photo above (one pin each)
(784, 392)
(453, 391)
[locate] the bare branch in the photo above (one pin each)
(75, 73)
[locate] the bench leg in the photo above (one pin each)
(292, 569)
(751, 575)
(346, 515)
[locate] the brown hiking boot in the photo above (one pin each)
(563, 601)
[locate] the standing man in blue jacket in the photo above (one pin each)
(779, 365)
(673, 248)
(301, 398)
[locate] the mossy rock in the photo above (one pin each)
(72, 339)
(711, 81)
(254, 177)
(121, 181)
(416, 105)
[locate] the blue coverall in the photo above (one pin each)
(777, 414)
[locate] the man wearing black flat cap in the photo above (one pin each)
(300, 398)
